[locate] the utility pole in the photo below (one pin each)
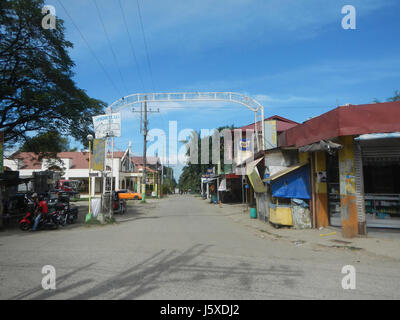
(144, 152)
(144, 131)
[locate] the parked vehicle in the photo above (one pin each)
(129, 195)
(50, 181)
(15, 207)
(118, 204)
(60, 212)
(60, 202)
(47, 221)
(70, 187)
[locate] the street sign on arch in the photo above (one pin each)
(107, 125)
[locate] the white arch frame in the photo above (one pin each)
(233, 97)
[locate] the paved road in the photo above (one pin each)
(182, 248)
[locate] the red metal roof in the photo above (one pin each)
(30, 160)
(80, 160)
(345, 121)
(282, 124)
(149, 160)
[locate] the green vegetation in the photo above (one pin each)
(48, 142)
(191, 173)
(396, 97)
(37, 92)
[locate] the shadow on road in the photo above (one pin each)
(161, 269)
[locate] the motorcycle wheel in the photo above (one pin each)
(24, 226)
(71, 220)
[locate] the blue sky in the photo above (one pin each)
(293, 56)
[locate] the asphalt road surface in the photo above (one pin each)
(182, 247)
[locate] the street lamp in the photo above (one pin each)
(89, 215)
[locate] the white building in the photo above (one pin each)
(127, 170)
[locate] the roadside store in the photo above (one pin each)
(354, 152)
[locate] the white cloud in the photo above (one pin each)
(193, 25)
(283, 100)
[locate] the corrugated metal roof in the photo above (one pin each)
(284, 172)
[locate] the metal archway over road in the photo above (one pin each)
(233, 97)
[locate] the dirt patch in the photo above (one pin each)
(352, 248)
(340, 241)
(271, 234)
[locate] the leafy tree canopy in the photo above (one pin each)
(190, 177)
(396, 97)
(49, 142)
(37, 93)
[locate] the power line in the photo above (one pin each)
(145, 45)
(91, 50)
(131, 45)
(110, 45)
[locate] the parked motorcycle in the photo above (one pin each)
(47, 221)
(66, 213)
(119, 205)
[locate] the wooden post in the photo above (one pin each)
(348, 205)
(321, 196)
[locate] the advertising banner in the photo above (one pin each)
(99, 146)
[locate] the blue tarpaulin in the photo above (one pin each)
(295, 184)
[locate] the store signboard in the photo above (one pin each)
(245, 150)
(270, 133)
(107, 125)
(254, 176)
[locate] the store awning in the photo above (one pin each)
(323, 145)
(345, 121)
(208, 180)
(254, 176)
(374, 136)
(285, 171)
(294, 182)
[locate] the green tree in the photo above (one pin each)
(190, 177)
(169, 182)
(37, 93)
(396, 96)
(49, 142)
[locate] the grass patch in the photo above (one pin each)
(95, 222)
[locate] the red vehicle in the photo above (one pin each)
(49, 220)
(69, 186)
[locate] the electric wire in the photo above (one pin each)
(145, 45)
(110, 45)
(91, 50)
(131, 45)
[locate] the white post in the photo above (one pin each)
(93, 187)
(112, 174)
(262, 128)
